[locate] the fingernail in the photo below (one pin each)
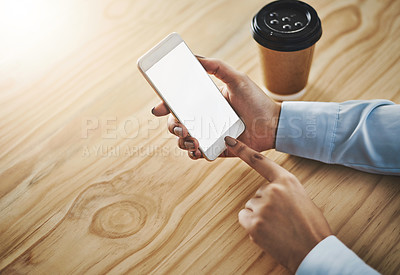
(152, 110)
(178, 131)
(230, 141)
(189, 144)
(199, 56)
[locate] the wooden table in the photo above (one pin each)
(92, 183)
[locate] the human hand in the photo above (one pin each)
(280, 218)
(259, 113)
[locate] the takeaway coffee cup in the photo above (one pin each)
(286, 32)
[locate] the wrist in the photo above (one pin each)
(276, 117)
(301, 251)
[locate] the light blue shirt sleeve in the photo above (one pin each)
(331, 257)
(364, 135)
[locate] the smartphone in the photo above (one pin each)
(190, 94)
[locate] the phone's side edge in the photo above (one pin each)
(171, 41)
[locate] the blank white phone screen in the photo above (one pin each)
(192, 95)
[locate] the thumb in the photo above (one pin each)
(221, 70)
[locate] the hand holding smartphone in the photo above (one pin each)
(192, 97)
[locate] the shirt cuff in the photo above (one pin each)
(307, 129)
(331, 256)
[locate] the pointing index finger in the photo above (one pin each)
(263, 165)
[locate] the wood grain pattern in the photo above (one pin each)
(91, 182)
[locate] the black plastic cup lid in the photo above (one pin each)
(286, 25)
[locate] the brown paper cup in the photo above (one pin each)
(285, 74)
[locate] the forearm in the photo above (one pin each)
(359, 134)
